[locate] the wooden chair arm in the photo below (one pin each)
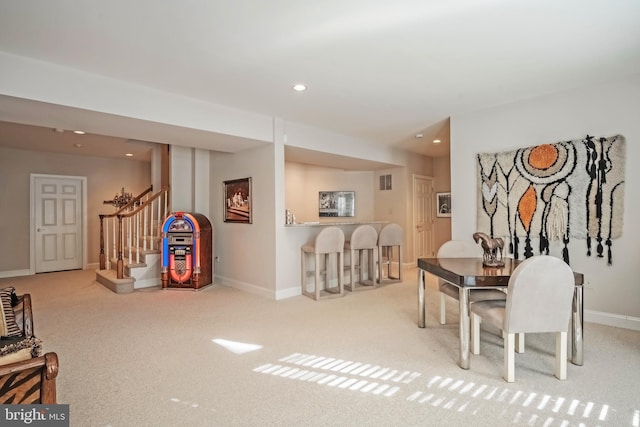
(30, 381)
(51, 362)
(48, 389)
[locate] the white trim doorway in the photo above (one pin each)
(423, 212)
(82, 217)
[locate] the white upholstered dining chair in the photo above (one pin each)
(462, 249)
(539, 299)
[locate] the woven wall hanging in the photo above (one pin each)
(547, 194)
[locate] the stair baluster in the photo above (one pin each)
(132, 229)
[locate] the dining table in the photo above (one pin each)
(470, 273)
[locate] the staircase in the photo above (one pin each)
(130, 241)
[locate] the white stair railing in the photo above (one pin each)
(135, 228)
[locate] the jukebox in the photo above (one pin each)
(186, 251)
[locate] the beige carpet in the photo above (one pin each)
(150, 359)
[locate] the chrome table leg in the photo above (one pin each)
(465, 326)
(421, 304)
(577, 342)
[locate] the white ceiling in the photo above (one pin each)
(378, 70)
(39, 138)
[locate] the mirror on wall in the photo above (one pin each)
(336, 203)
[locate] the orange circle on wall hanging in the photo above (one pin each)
(543, 156)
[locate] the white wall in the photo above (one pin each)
(190, 180)
(304, 182)
(391, 205)
(182, 179)
(105, 178)
(297, 135)
(441, 184)
(295, 187)
(201, 202)
(415, 165)
(267, 247)
(612, 293)
(247, 251)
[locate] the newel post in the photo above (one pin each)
(120, 262)
(103, 258)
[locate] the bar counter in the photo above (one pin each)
(337, 223)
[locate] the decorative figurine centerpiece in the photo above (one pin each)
(492, 249)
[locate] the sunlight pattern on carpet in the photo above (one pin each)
(237, 347)
(517, 406)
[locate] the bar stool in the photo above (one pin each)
(363, 241)
(389, 238)
(329, 241)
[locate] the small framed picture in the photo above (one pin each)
(443, 204)
(237, 201)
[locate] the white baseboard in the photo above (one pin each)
(288, 293)
(243, 286)
(15, 273)
(610, 319)
(27, 272)
(147, 283)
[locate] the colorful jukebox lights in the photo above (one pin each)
(186, 251)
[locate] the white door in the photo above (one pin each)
(57, 213)
(423, 216)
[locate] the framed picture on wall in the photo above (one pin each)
(336, 203)
(238, 201)
(443, 204)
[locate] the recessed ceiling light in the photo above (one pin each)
(436, 141)
(299, 87)
(79, 132)
(419, 135)
(129, 154)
